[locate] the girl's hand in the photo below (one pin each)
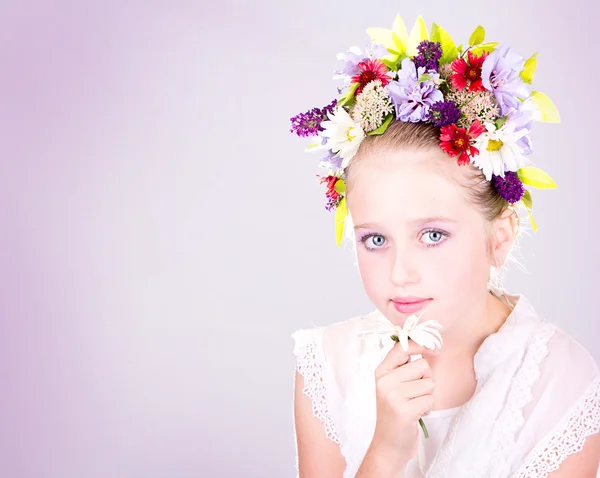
(404, 394)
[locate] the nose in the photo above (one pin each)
(403, 268)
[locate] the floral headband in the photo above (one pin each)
(480, 98)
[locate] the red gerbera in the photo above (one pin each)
(468, 72)
(458, 142)
(370, 70)
(333, 197)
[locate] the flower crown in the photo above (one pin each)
(480, 98)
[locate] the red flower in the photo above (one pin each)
(370, 70)
(458, 142)
(468, 72)
(330, 180)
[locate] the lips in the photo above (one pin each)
(409, 299)
(410, 305)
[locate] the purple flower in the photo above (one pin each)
(330, 160)
(411, 98)
(500, 75)
(354, 57)
(429, 55)
(443, 113)
(523, 118)
(309, 123)
(509, 187)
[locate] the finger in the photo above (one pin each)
(422, 405)
(397, 356)
(417, 388)
(411, 371)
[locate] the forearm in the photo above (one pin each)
(381, 464)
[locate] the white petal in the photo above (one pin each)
(403, 336)
(432, 323)
(410, 322)
(356, 50)
(423, 338)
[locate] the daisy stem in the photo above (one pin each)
(422, 423)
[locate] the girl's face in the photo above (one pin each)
(417, 235)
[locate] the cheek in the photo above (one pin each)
(464, 268)
(373, 274)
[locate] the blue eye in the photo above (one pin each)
(436, 236)
(378, 241)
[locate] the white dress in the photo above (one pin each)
(536, 401)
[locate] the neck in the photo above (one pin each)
(464, 340)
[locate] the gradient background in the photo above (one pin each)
(163, 233)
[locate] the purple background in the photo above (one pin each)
(163, 233)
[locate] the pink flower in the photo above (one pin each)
(371, 70)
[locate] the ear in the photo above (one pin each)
(504, 234)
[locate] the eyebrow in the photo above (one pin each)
(412, 222)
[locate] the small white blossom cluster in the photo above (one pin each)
(481, 105)
(372, 106)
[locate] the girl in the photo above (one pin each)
(426, 151)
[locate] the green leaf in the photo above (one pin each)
(313, 146)
(348, 98)
(383, 127)
(417, 35)
(395, 338)
(340, 186)
(489, 47)
(399, 28)
(340, 216)
(424, 77)
(477, 37)
(533, 223)
(536, 178)
(459, 48)
(393, 40)
(392, 65)
(546, 107)
(400, 48)
(449, 50)
(529, 69)
(381, 36)
(500, 121)
(527, 200)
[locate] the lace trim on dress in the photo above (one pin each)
(311, 365)
(567, 438)
(511, 419)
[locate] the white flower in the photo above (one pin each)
(343, 134)
(423, 334)
(498, 150)
(372, 106)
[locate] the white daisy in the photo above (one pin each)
(343, 134)
(498, 150)
(423, 334)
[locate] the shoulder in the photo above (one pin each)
(563, 414)
(328, 337)
(568, 357)
(321, 353)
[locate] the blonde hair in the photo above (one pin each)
(401, 134)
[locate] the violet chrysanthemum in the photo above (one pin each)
(429, 55)
(443, 113)
(413, 98)
(501, 75)
(309, 123)
(509, 187)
